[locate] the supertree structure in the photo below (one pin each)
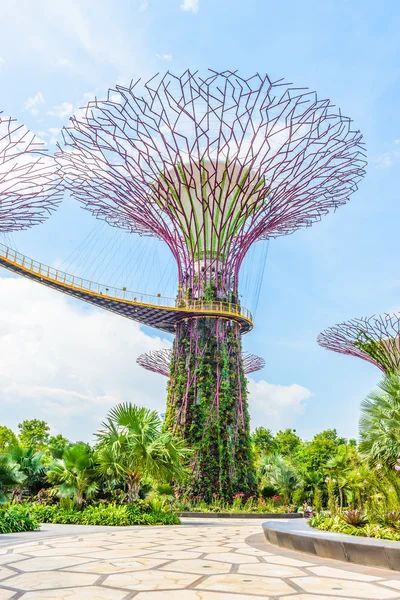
(375, 339)
(210, 165)
(29, 180)
(159, 361)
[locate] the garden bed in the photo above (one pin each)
(239, 515)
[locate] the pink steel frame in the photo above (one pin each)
(384, 328)
(30, 182)
(159, 361)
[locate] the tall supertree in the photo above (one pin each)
(210, 165)
(375, 339)
(159, 361)
(29, 179)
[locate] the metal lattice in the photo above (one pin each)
(375, 339)
(159, 361)
(30, 182)
(211, 165)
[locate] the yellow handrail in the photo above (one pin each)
(84, 285)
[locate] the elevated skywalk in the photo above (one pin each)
(154, 311)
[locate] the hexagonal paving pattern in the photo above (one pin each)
(200, 560)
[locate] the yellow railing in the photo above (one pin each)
(84, 285)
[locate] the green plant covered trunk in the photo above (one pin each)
(207, 406)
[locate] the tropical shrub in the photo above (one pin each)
(73, 475)
(354, 517)
(106, 514)
(132, 446)
(15, 518)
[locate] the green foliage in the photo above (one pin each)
(34, 434)
(31, 466)
(337, 524)
(10, 477)
(16, 518)
(57, 444)
(74, 474)
(287, 443)
(379, 423)
(109, 514)
(277, 472)
(207, 407)
(132, 446)
(8, 439)
(357, 518)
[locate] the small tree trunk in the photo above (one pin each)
(79, 501)
(133, 483)
(340, 496)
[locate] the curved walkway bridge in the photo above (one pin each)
(154, 311)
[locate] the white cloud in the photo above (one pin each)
(68, 363)
(164, 56)
(386, 159)
(64, 62)
(32, 103)
(2, 61)
(143, 5)
(54, 133)
(62, 110)
(276, 406)
(190, 5)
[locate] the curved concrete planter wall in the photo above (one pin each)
(359, 550)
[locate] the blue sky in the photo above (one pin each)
(56, 56)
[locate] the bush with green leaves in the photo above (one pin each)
(138, 513)
(15, 518)
(337, 524)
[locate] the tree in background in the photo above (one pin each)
(57, 444)
(287, 443)
(276, 471)
(8, 439)
(34, 434)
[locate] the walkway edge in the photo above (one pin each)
(362, 551)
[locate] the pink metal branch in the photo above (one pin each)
(159, 361)
(375, 339)
(30, 182)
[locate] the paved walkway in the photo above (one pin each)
(201, 560)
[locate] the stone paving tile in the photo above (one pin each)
(242, 584)
(150, 580)
(342, 574)
(88, 593)
(47, 563)
(5, 594)
(4, 572)
(202, 567)
(197, 595)
(344, 587)
(50, 579)
(266, 570)
(191, 562)
(120, 565)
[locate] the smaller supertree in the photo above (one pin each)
(30, 182)
(159, 361)
(375, 339)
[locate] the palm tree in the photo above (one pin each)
(132, 446)
(379, 427)
(10, 476)
(74, 475)
(276, 471)
(31, 465)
